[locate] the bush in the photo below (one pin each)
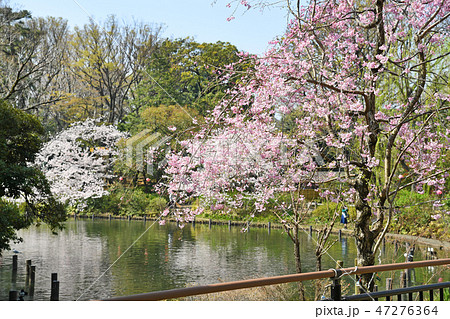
(324, 213)
(156, 205)
(136, 203)
(126, 201)
(105, 204)
(413, 214)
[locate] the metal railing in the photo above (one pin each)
(251, 283)
(399, 292)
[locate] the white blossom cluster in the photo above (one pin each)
(78, 161)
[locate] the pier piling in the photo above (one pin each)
(54, 294)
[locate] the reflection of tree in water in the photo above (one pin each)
(167, 257)
(344, 246)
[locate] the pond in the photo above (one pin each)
(97, 259)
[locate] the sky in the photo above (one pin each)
(204, 20)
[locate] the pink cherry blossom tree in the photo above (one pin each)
(363, 80)
(78, 161)
(252, 166)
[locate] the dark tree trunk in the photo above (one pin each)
(364, 235)
(298, 263)
(318, 291)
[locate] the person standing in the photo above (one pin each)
(344, 216)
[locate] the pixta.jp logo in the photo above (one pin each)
(141, 150)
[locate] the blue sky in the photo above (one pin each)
(205, 20)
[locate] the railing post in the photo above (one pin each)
(403, 283)
(409, 258)
(28, 271)
(388, 287)
(336, 293)
(54, 294)
(13, 295)
(14, 264)
(32, 279)
(357, 291)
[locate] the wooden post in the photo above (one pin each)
(388, 287)
(93, 216)
(269, 226)
(145, 218)
(388, 283)
(28, 271)
(32, 275)
(310, 231)
(403, 283)
(229, 225)
(340, 234)
(28, 267)
(75, 215)
(14, 263)
(109, 217)
(13, 295)
(129, 217)
(14, 279)
(32, 280)
(54, 294)
(356, 279)
(209, 223)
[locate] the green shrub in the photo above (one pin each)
(156, 205)
(413, 213)
(105, 204)
(136, 203)
(126, 201)
(324, 213)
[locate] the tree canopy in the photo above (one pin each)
(78, 161)
(332, 67)
(188, 73)
(20, 140)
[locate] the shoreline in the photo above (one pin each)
(435, 243)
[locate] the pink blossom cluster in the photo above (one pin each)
(338, 68)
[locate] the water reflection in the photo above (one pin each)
(166, 257)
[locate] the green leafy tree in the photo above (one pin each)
(188, 73)
(110, 59)
(20, 140)
(31, 54)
